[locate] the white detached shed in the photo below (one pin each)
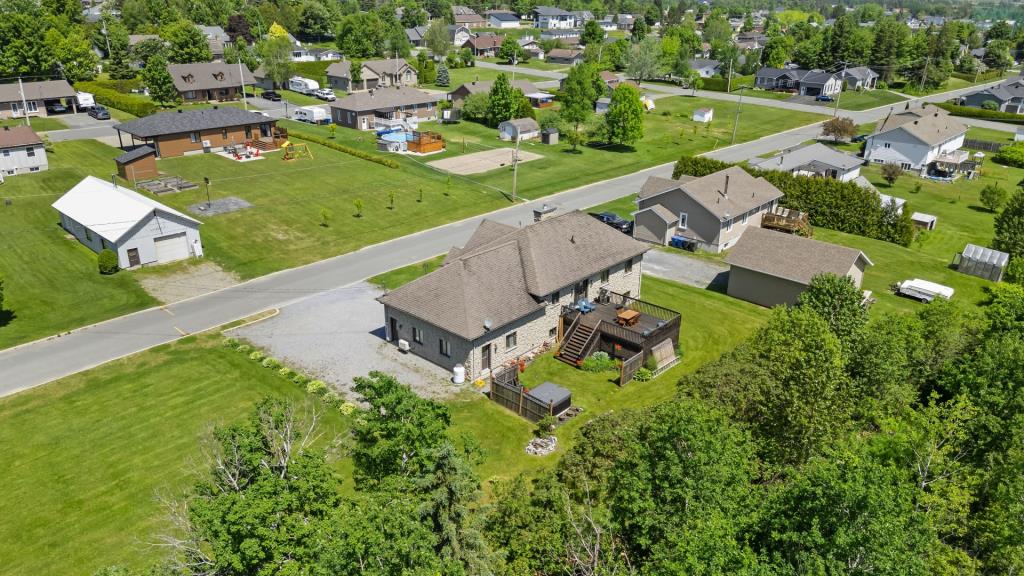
(140, 230)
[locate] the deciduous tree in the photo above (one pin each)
(1009, 226)
(993, 197)
(159, 82)
(625, 117)
(839, 128)
(186, 43)
(437, 39)
(361, 35)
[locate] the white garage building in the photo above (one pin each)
(141, 231)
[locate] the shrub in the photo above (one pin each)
(972, 112)
(891, 172)
(316, 387)
(1012, 155)
(347, 408)
(112, 98)
(643, 375)
(599, 362)
(107, 261)
(271, 363)
(300, 135)
(993, 197)
(230, 342)
(1014, 271)
(286, 373)
(244, 348)
(544, 426)
(331, 398)
(300, 379)
(257, 355)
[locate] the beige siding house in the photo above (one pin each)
(373, 74)
(395, 106)
(771, 268)
(501, 296)
(710, 213)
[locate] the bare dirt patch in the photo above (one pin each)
(181, 281)
(485, 161)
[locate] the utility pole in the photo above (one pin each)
(24, 104)
(736, 122)
(515, 60)
(241, 80)
(206, 181)
(924, 77)
(515, 166)
(728, 84)
(842, 80)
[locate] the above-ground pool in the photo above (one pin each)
(394, 141)
(396, 137)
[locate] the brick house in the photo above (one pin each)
(196, 131)
(504, 294)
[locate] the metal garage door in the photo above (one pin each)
(171, 248)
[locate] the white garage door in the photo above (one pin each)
(171, 248)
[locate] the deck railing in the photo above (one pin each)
(641, 306)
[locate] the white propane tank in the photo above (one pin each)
(459, 374)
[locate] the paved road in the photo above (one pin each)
(42, 361)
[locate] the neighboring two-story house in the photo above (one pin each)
(374, 74)
(917, 138)
(503, 294)
(709, 213)
(547, 17)
(21, 151)
(209, 81)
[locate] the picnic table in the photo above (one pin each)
(627, 317)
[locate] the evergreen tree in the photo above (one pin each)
(443, 79)
(118, 65)
(503, 103)
(592, 33)
(159, 82)
(640, 30)
(889, 50)
(625, 117)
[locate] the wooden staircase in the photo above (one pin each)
(577, 344)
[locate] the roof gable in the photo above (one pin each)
(791, 257)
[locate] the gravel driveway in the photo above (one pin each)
(339, 335)
(685, 269)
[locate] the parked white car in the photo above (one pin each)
(325, 94)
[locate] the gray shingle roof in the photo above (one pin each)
(208, 76)
(135, 154)
(384, 98)
(815, 153)
(44, 90)
(503, 273)
(791, 257)
(744, 192)
(504, 16)
(860, 73)
(664, 213)
(929, 124)
(484, 87)
(190, 121)
(550, 11)
(339, 69)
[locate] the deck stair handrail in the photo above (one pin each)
(572, 326)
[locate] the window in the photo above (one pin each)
(88, 235)
(224, 133)
(193, 137)
(510, 341)
(888, 145)
(629, 266)
(30, 152)
(417, 335)
(556, 296)
(33, 105)
(445, 347)
(553, 333)
(248, 132)
(7, 153)
(604, 276)
(682, 220)
(905, 165)
(744, 218)
(34, 169)
(728, 225)
(190, 95)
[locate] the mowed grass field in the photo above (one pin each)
(39, 124)
(86, 457)
(51, 283)
(867, 99)
(458, 76)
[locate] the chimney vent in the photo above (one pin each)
(726, 191)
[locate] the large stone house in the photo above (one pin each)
(917, 139)
(710, 213)
(374, 74)
(502, 295)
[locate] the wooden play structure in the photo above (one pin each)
(294, 151)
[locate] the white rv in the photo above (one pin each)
(311, 114)
(303, 85)
(85, 100)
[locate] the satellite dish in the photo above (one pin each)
(487, 324)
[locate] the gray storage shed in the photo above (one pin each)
(982, 262)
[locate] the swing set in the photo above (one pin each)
(295, 151)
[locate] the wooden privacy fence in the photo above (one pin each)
(629, 368)
(985, 145)
(514, 397)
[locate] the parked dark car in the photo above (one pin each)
(824, 98)
(615, 221)
(99, 112)
(56, 108)
(859, 138)
(271, 95)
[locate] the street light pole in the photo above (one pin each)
(515, 166)
(842, 79)
(736, 122)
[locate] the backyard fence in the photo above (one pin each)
(506, 391)
(984, 145)
(629, 368)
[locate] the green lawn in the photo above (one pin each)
(767, 94)
(87, 456)
(951, 84)
(51, 283)
(405, 274)
(39, 124)
(459, 76)
(867, 99)
(712, 324)
(991, 135)
(624, 206)
(532, 63)
(668, 133)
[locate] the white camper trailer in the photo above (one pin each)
(311, 114)
(923, 290)
(85, 100)
(303, 85)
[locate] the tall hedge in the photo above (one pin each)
(114, 99)
(842, 206)
(972, 112)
